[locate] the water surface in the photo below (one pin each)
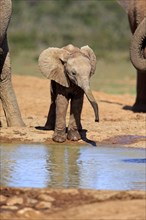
(61, 166)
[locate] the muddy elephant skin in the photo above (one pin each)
(69, 69)
(7, 95)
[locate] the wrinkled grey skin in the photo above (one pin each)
(136, 10)
(7, 95)
(69, 69)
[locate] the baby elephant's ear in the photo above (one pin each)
(51, 65)
(125, 4)
(90, 54)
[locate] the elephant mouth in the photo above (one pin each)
(74, 81)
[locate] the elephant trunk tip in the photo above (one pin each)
(96, 111)
(97, 115)
(93, 104)
(96, 119)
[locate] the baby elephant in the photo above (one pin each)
(69, 69)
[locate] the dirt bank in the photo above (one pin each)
(71, 204)
(117, 126)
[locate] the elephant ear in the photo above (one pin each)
(90, 54)
(124, 4)
(51, 63)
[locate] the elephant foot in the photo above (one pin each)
(59, 136)
(139, 108)
(73, 135)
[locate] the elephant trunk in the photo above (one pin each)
(93, 103)
(138, 47)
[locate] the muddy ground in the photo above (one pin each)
(117, 127)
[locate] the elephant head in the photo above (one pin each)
(138, 47)
(70, 64)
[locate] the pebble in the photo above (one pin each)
(3, 198)
(26, 212)
(43, 205)
(23, 211)
(14, 200)
(31, 201)
(10, 207)
(46, 198)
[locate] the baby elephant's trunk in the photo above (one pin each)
(93, 103)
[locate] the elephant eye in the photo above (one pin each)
(73, 73)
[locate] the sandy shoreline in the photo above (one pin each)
(116, 127)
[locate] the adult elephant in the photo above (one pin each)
(7, 95)
(136, 10)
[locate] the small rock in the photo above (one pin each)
(23, 211)
(31, 201)
(43, 205)
(14, 200)
(3, 198)
(46, 198)
(10, 207)
(27, 212)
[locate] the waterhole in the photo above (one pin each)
(61, 166)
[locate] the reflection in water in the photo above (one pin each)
(62, 166)
(71, 166)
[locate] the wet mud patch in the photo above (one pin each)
(125, 140)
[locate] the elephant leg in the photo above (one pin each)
(140, 104)
(75, 117)
(61, 110)
(7, 94)
(50, 124)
